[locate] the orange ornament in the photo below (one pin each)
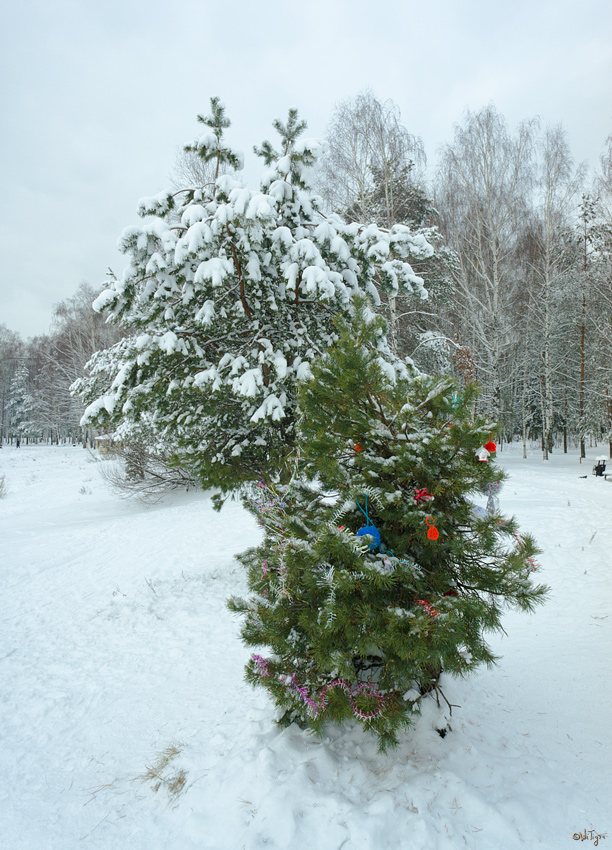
(432, 531)
(357, 447)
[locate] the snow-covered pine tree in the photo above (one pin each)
(228, 297)
(21, 408)
(376, 572)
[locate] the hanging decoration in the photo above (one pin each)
(369, 528)
(373, 532)
(492, 491)
(428, 607)
(432, 531)
(317, 703)
(363, 689)
(490, 447)
(422, 495)
(357, 447)
(483, 455)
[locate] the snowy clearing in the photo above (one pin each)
(126, 723)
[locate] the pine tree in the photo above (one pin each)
(377, 572)
(228, 297)
(22, 403)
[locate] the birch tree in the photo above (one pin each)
(553, 260)
(483, 180)
(373, 172)
(370, 153)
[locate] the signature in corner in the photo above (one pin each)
(588, 835)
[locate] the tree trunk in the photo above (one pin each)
(524, 405)
(581, 412)
(543, 406)
(431, 679)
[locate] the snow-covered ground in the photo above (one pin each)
(119, 660)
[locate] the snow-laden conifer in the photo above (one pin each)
(22, 403)
(228, 296)
(377, 573)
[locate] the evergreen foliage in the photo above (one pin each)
(226, 309)
(354, 627)
(394, 196)
(22, 405)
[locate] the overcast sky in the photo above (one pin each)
(97, 95)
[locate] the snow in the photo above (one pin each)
(271, 407)
(168, 342)
(215, 270)
(104, 299)
(157, 205)
(206, 313)
(261, 206)
(249, 382)
(107, 402)
(116, 646)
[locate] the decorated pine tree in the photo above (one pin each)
(228, 296)
(377, 572)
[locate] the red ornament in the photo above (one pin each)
(432, 531)
(427, 606)
(422, 495)
(450, 593)
(490, 446)
(357, 447)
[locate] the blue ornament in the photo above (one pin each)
(373, 532)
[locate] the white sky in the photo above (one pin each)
(97, 95)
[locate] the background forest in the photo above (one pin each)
(520, 284)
